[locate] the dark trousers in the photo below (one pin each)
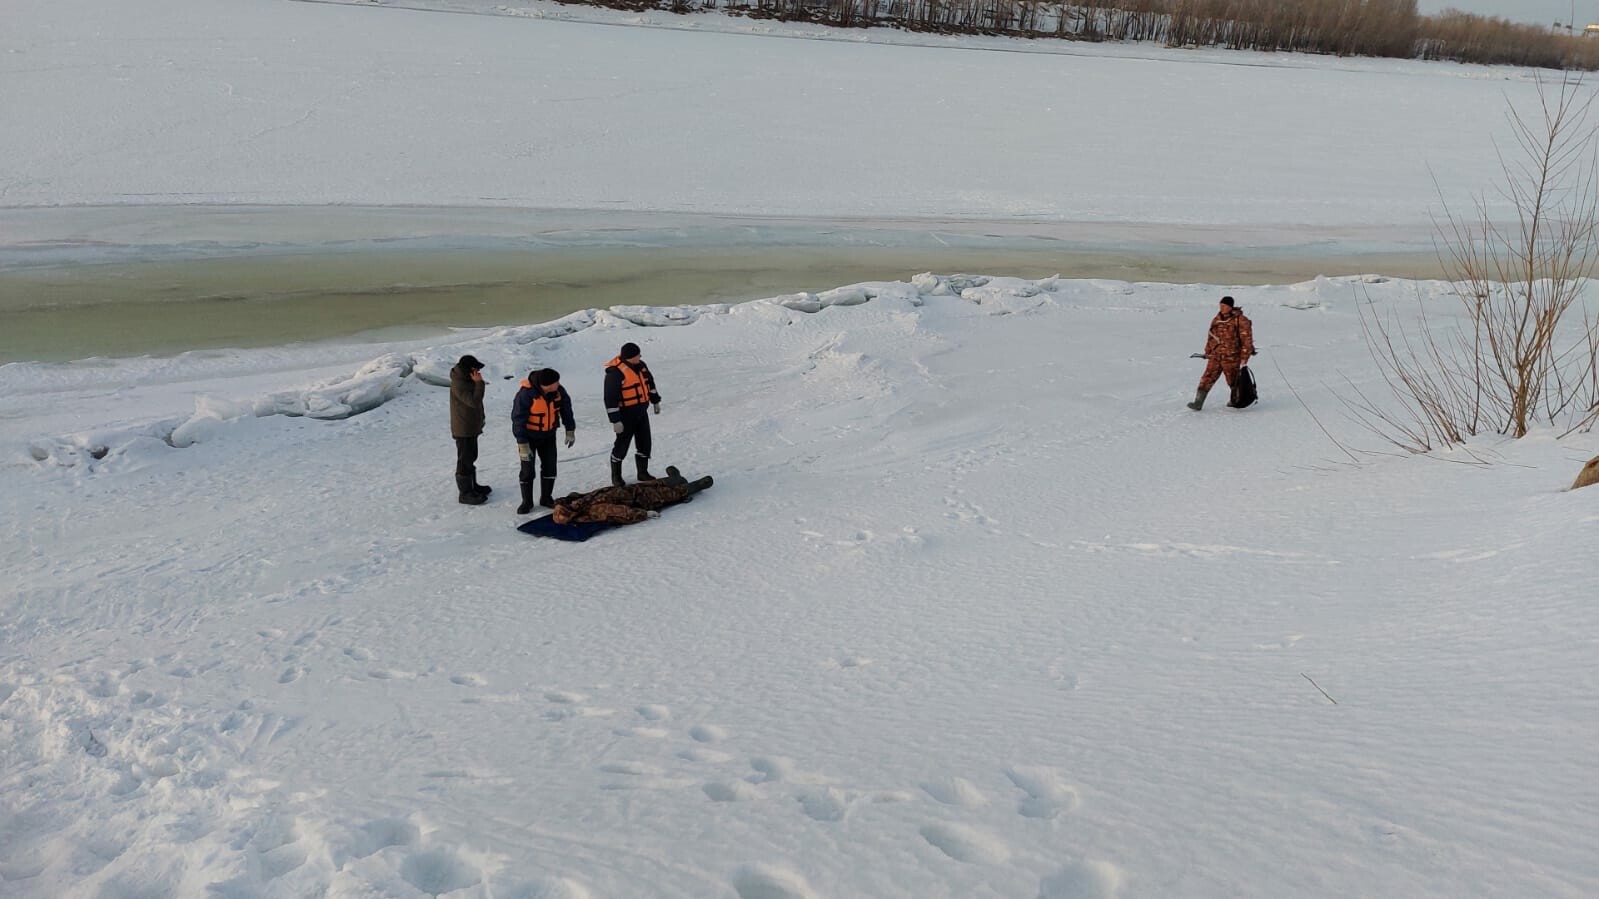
(635, 430)
(540, 453)
(466, 461)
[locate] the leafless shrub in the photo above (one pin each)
(1527, 353)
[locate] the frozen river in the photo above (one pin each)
(84, 282)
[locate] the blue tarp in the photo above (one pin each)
(577, 533)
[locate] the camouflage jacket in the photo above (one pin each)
(1231, 337)
(618, 505)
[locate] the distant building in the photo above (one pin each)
(1590, 31)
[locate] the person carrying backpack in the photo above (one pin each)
(1227, 349)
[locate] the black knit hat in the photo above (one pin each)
(470, 363)
(1228, 301)
(629, 350)
(546, 377)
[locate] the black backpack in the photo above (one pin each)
(1243, 389)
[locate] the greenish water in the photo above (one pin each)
(164, 307)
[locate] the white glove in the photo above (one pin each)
(657, 408)
(571, 438)
(652, 514)
(617, 427)
(524, 452)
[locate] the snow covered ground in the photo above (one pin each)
(976, 608)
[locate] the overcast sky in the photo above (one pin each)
(1540, 12)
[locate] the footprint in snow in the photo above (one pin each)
(732, 791)
(290, 675)
(966, 844)
(358, 654)
(956, 791)
(771, 882)
(440, 870)
(106, 687)
(577, 711)
(375, 836)
(651, 733)
(777, 768)
(968, 513)
(827, 804)
(769, 769)
(632, 769)
(1086, 879)
(707, 733)
(277, 849)
(469, 680)
(1061, 674)
(1048, 793)
(571, 705)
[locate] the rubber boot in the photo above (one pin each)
(616, 473)
(481, 488)
(696, 486)
(1199, 399)
(547, 492)
(468, 497)
(527, 498)
(644, 468)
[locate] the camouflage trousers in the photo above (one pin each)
(1219, 366)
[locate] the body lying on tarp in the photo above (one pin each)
(628, 504)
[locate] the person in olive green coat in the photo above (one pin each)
(466, 425)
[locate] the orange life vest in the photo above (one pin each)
(544, 412)
(635, 390)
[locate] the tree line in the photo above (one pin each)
(1390, 28)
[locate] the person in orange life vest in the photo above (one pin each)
(1230, 344)
(630, 394)
(540, 405)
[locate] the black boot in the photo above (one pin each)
(616, 473)
(1199, 399)
(644, 468)
(468, 497)
(527, 498)
(672, 472)
(696, 486)
(547, 493)
(481, 488)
